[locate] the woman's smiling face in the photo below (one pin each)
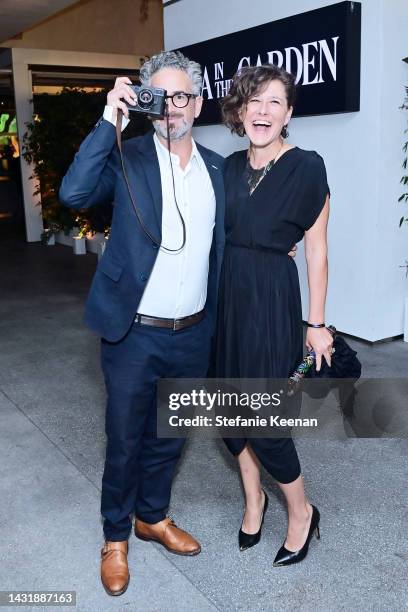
(265, 114)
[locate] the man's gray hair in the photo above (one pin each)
(172, 59)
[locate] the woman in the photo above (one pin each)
(276, 194)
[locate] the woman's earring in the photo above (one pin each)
(285, 131)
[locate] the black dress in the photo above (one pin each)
(259, 327)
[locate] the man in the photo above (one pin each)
(153, 297)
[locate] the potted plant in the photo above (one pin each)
(404, 198)
(79, 241)
(49, 233)
(61, 123)
(404, 180)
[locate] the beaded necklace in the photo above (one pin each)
(255, 175)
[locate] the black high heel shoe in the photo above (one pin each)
(246, 540)
(287, 557)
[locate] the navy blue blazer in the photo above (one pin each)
(96, 176)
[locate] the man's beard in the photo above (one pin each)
(175, 133)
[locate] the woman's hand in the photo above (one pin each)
(292, 252)
(320, 341)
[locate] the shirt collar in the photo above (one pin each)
(163, 152)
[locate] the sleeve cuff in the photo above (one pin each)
(109, 114)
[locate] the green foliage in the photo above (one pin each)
(404, 180)
(61, 122)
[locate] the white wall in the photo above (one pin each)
(362, 152)
(391, 245)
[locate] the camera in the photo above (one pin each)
(150, 100)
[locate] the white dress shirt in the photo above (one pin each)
(177, 286)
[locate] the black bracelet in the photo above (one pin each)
(316, 325)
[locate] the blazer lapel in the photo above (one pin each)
(150, 166)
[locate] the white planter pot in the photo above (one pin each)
(61, 238)
(79, 246)
(50, 240)
(93, 244)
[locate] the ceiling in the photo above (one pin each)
(17, 16)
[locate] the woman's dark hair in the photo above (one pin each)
(249, 81)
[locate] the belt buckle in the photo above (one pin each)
(174, 324)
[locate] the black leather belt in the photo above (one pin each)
(174, 324)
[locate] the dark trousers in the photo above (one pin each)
(139, 466)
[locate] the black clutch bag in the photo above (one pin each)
(344, 363)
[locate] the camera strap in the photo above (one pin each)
(138, 215)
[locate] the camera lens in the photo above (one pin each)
(145, 99)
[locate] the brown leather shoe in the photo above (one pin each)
(166, 532)
(114, 567)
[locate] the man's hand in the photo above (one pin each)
(292, 252)
(121, 91)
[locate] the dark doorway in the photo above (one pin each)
(12, 223)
